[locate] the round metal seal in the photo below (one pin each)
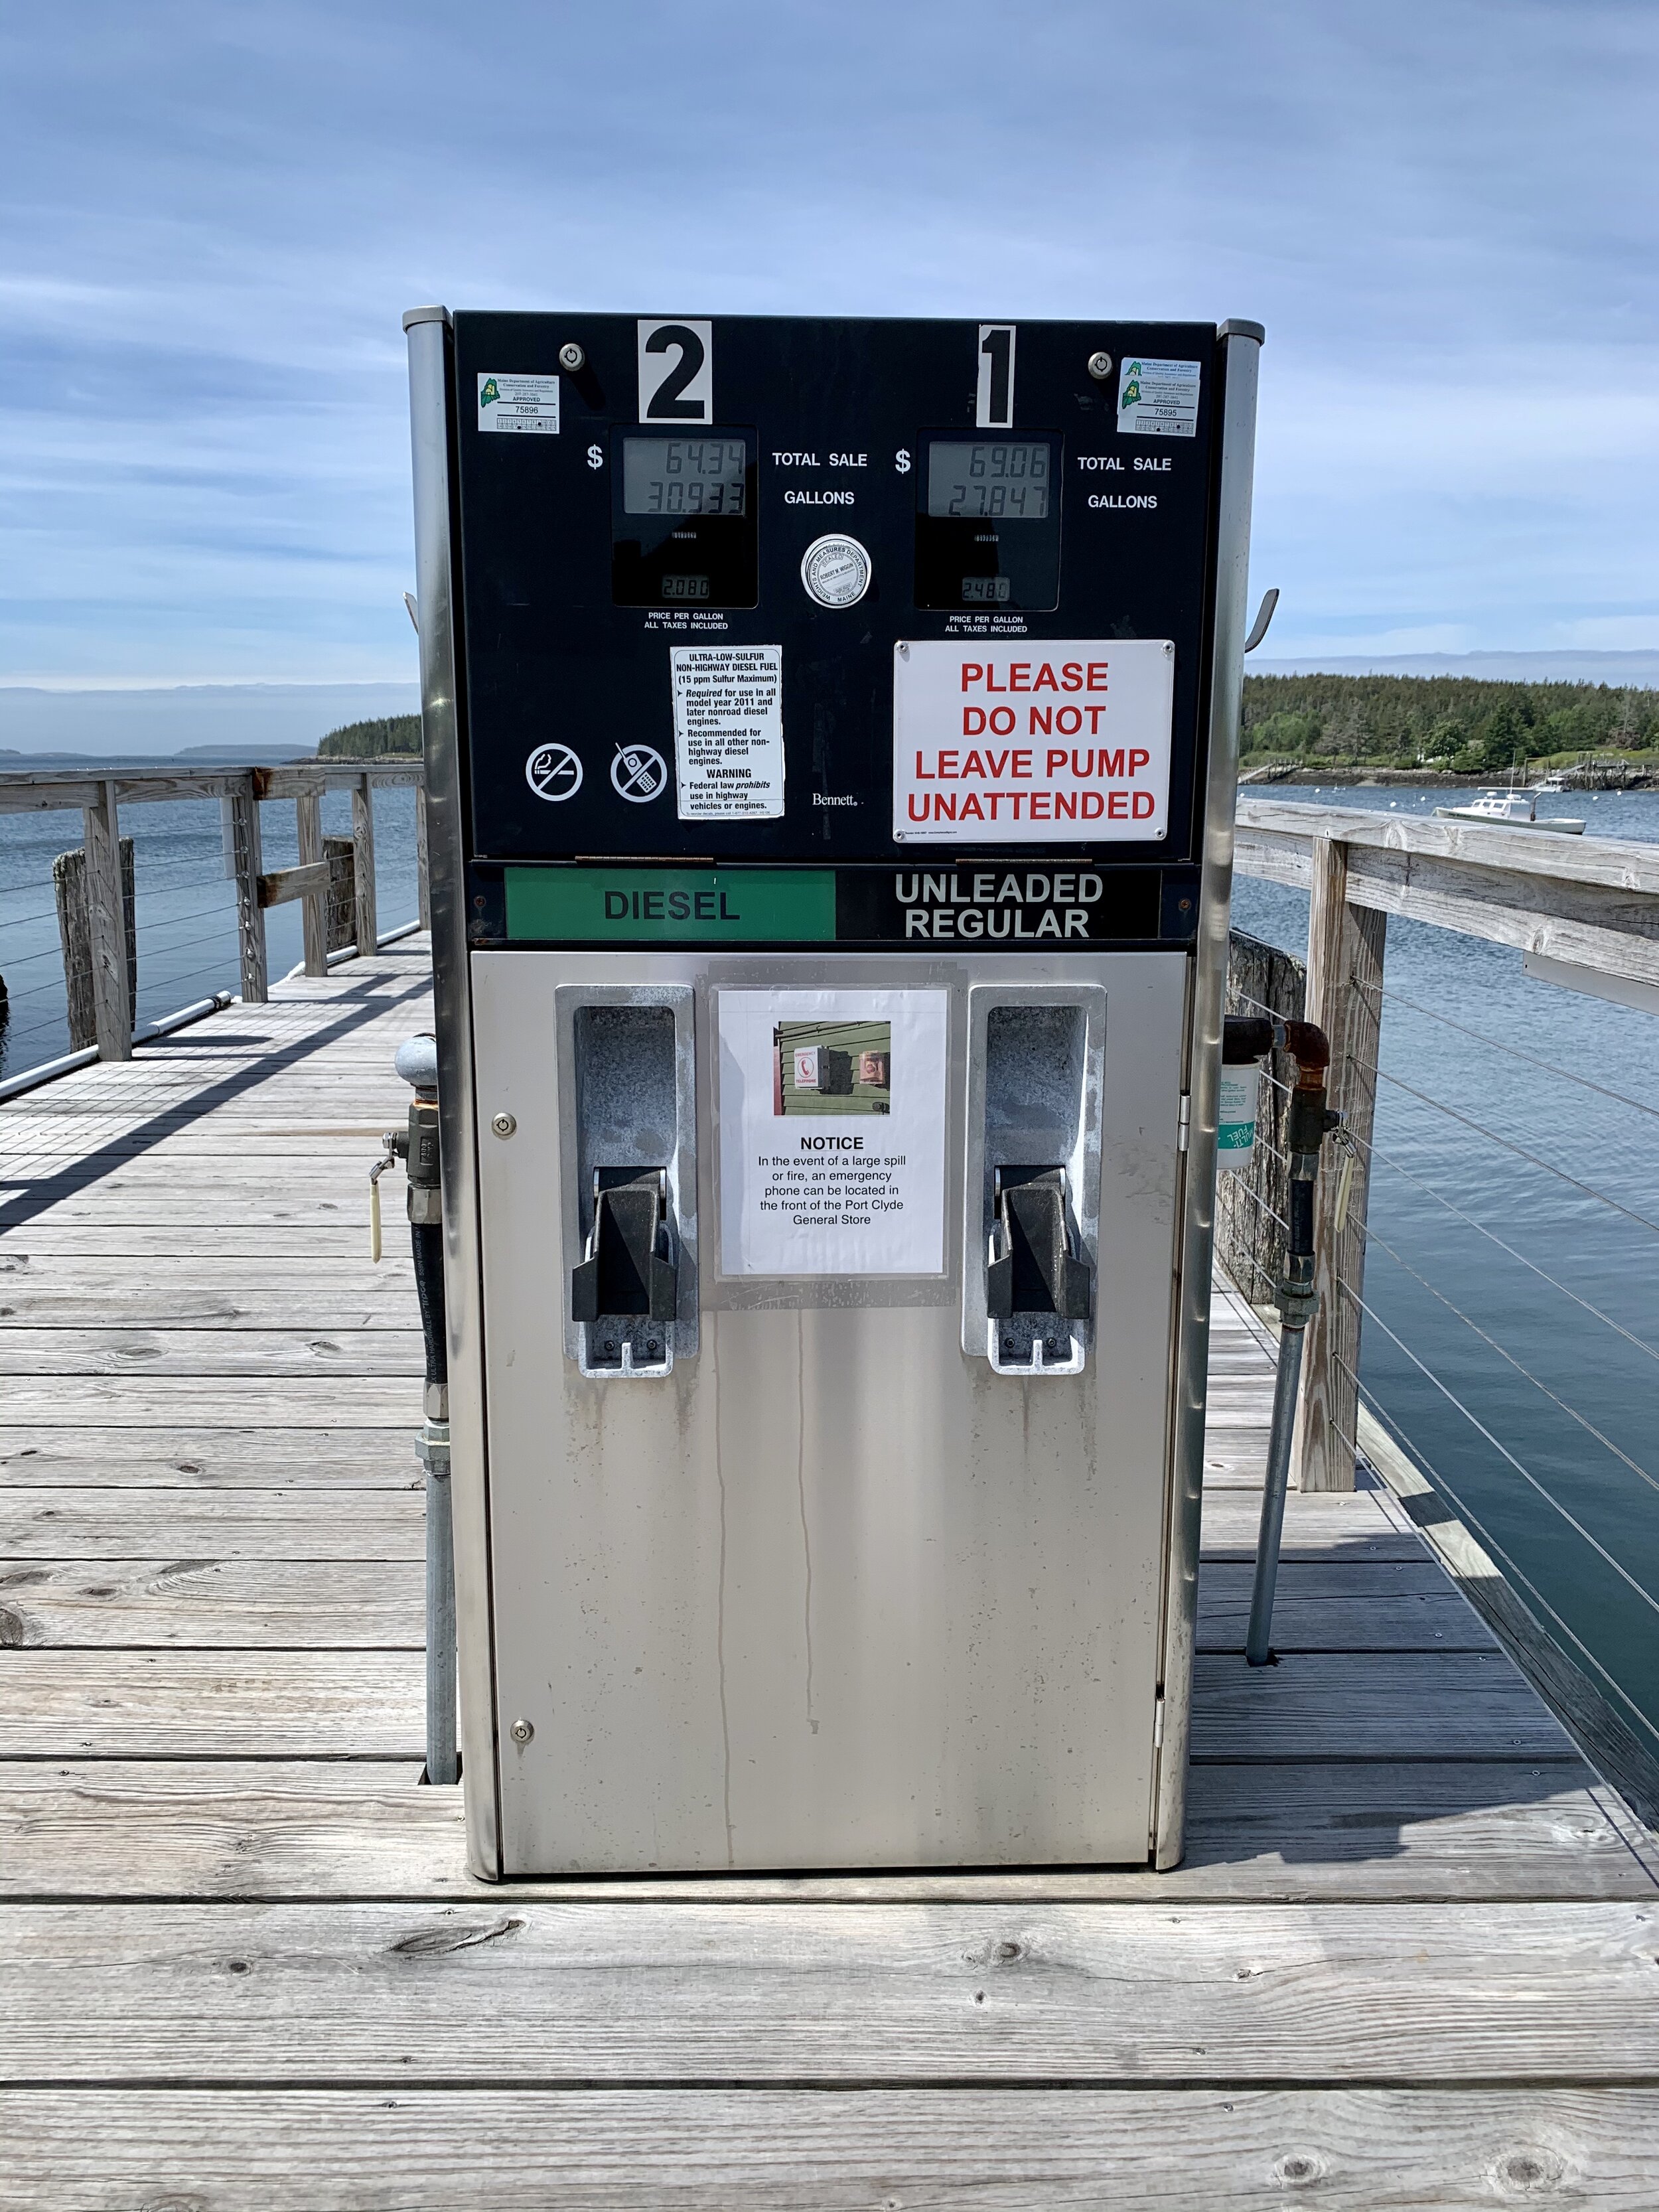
(836, 570)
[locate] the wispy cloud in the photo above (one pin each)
(214, 215)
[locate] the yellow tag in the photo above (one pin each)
(374, 1217)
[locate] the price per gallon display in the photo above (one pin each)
(684, 476)
(989, 478)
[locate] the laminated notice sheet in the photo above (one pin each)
(728, 731)
(832, 1120)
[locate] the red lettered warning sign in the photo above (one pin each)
(1037, 741)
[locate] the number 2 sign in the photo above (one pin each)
(677, 371)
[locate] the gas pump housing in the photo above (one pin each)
(832, 734)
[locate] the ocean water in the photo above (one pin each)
(1513, 1267)
(1514, 1207)
(186, 906)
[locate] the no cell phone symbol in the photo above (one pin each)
(639, 772)
(553, 772)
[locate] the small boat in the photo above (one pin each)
(1555, 780)
(1511, 810)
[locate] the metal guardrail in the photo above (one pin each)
(1589, 904)
(1584, 913)
(101, 797)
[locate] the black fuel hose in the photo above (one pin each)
(428, 1240)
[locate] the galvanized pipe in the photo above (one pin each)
(1307, 1125)
(1259, 1642)
(442, 1762)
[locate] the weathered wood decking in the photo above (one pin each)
(1413, 1958)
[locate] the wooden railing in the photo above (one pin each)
(1588, 906)
(100, 798)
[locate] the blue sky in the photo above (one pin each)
(215, 215)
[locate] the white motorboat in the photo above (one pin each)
(1511, 810)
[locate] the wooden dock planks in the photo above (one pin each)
(1410, 1959)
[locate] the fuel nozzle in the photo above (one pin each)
(417, 1146)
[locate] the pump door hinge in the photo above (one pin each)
(1184, 1122)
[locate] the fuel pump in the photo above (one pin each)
(830, 731)
(417, 1146)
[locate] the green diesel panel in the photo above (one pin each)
(676, 906)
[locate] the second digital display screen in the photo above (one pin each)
(684, 476)
(989, 477)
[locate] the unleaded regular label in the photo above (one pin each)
(977, 909)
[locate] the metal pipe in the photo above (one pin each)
(350, 951)
(32, 1078)
(442, 1761)
(1241, 353)
(426, 1238)
(430, 385)
(1259, 1642)
(1308, 1123)
(14, 1085)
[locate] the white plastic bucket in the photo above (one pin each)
(1235, 1143)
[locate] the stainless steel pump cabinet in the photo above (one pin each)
(830, 731)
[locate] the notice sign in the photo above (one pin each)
(728, 731)
(832, 1131)
(1031, 741)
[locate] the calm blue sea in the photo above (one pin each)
(1515, 1205)
(1533, 1403)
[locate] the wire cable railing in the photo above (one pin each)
(1503, 1452)
(1485, 1270)
(1519, 1150)
(1443, 1487)
(1565, 1074)
(24, 920)
(1519, 1366)
(1439, 1197)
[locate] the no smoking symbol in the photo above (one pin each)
(554, 772)
(639, 772)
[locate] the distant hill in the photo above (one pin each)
(389, 733)
(1619, 669)
(1401, 721)
(121, 763)
(259, 721)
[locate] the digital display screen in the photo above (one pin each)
(986, 591)
(989, 478)
(685, 587)
(684, 476)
